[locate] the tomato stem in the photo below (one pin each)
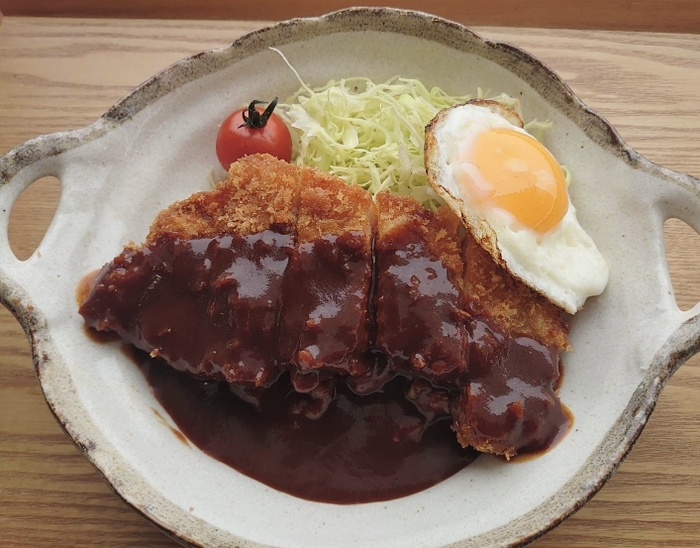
(254, 119)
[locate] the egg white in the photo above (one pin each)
(562, 264)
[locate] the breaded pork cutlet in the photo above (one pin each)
(420, 310)
(205, 291)
(325, 317)
(272, 271)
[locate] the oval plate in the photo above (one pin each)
(138, 158)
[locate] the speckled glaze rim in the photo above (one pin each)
(191, 531)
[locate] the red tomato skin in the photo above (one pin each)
(234, 142)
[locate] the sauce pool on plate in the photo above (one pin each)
(364, 449)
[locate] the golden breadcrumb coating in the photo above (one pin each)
(260, 192)
(492, 291)
(328, 205)
(441, 232)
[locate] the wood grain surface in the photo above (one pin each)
(61, 74)
(638, 15)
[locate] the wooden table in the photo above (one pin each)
(60, 74)
(638, 15)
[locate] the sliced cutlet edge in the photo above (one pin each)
(329, 208)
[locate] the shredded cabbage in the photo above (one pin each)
(371, 134)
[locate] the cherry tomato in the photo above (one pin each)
(252, 130)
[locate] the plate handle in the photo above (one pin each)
(19, 168)
(681, 200)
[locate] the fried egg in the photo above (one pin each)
(512, 196)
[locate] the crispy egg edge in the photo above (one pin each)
(480, 230)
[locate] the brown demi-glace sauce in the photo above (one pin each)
(210, 307)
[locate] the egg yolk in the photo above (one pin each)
(510, 170)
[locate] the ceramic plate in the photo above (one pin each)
(138, 158)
